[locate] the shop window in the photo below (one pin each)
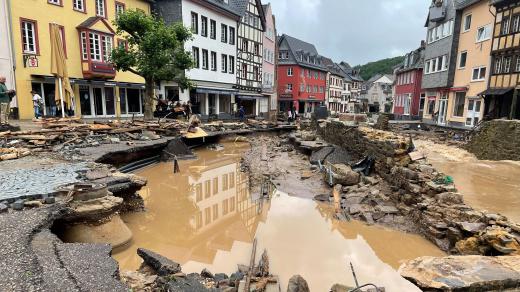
(460, 99)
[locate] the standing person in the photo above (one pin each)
(4, 101)
(37, 99)
(188, 110)
(53, 102)
(242, 113)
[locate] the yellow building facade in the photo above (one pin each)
(89, 36)
(465, 104)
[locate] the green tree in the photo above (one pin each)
(384, 66)
(155, 52)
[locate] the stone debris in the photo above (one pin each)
(297, 284)
(415, 193)
(463, 273)
(161, 265)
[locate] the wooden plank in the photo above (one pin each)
(251, 267)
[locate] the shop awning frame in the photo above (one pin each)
(496, 91)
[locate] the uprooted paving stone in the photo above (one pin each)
(162, 265)
(33, 259)
(463, 273)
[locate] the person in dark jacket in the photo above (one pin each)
(5, 99)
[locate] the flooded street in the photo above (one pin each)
(489, 185)
(205, 217)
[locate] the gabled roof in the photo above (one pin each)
(225, 6)
(347, 69)
(299, 48)
(240, 7)
(91, 21)
(332, 67)
(415, 59)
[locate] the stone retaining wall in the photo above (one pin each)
(438, 212)
(497, 140)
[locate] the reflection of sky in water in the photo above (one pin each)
(298, 233)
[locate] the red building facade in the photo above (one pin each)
(302, 76)
(408, 82)
(304, 87)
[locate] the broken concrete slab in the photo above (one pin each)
(162, 265)
(480, 273)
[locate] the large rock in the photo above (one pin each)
(162, 265)
(297, 284)
(344, 175)
(463, 273)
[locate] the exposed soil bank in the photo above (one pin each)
(486, 185)
(206, 217)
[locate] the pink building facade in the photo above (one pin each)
(269, 65)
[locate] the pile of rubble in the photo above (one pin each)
(67, 134)
(427, 198)
(158, 273)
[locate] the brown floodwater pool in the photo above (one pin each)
(488, 185)
(205, 217)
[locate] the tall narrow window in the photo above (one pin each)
(95, 46)
(290, 71)
(107, 48)
(257, 49)
(213, 29)
(231, 65)
(120, 8)
(498, 65)
(195, 52)
(100, 8)
(231, 35)
(507, 64)
(204, 59)
(84, 50)
(243, 73)
(78, 5)
(467, 22)
(29, 36)
(505, 25)
(256, 73)
(224, 63)
(204, 26)
(223, 33)
(213, 61)
(194, 23)
(515, 25)
(462, 60)
(517, 67)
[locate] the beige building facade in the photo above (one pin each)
(465, 104)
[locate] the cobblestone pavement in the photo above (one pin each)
(37, 180)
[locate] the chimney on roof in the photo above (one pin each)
(423, 44)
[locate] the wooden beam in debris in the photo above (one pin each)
(251, 268)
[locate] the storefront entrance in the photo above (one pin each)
(443, 109)
(473, 113)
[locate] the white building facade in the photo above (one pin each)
(214, 49)
(6, 48)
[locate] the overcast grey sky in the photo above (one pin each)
(356, 31)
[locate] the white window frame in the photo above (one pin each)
(290, 71)
(224, 63)
(231, 69)
(84, 48)
(289, 87)
(213, 62)
(432, 65)
(95, 49)
(100, 8)
(27, 36)
(481, 78)
(465, 27)
(507, 64)
(120, 8)
(79, 5)
(486, 33)
(498, 65)
(108, 45)
(205, 61)
(54, 2)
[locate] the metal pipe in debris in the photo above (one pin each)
(251, 268)
(354, 275)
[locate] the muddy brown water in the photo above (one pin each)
(490, 185)
(205, 217)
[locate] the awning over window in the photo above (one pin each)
(249, 97)
(496, 91)
(215, 91)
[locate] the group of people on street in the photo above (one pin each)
(6, 95)
(185, 108)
